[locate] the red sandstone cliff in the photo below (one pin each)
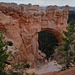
(24, 21)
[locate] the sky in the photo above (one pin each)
(43, 2)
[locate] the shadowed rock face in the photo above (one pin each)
(25, 21)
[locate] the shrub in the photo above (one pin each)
(3, 51)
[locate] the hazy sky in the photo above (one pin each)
(44, 2)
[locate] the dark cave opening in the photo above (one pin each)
(47, 42)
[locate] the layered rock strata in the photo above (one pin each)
(25, 21)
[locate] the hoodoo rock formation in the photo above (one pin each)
(25, 21)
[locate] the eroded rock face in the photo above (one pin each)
(25, 21)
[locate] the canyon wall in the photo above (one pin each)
(25, 21)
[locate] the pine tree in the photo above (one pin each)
(3, 51)
(67, 48)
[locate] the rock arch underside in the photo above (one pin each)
(25, 21)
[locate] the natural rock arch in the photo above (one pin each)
(35, 44)
(25, 21)
(55, 32)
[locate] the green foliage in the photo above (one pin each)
(3, 50)
(26, 66)
(3, 73)
(61, 62)
(47, 42)
(18, 68)
(20, 65)
(3, 53)
(10, 43)
(16, 73)
(67, 49)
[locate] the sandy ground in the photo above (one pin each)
(50, 67)
(70, 71)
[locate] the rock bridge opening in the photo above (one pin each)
(47, 39)
(47, 42)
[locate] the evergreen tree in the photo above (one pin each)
(67, 48)
(3, 51)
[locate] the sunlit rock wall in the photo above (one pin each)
(25, 21)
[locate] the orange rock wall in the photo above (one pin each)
(25, 21)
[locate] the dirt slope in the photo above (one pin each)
(50, 67)
(70, 71)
